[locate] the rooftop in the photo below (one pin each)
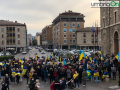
(10, 23)
(87, 29)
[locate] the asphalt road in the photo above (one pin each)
(31, 53)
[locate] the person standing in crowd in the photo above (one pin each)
(7, 79)
(32, 83)
(68, 72)
(63, 84)
(76, 79)
(4, 85)
(114, 72)
(56, 84)
(51, 75)
(84, 74)
(92, 74)
(55, 73)
(45, 74)
(80, 73)
(27, 77)
(51, 86)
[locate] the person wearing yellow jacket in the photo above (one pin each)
(30, 75)
(76, 79)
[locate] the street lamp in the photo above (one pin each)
(4, 44)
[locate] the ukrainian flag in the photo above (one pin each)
(96, 73)
(88, 74)
(100, 52)
(118, 57)
(24, 70)
(1, 63)
(82, 54)
(13, 73)
(18, 73)
(102, 57)
(64, 62)
(90, 58)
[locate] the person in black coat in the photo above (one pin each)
(7, 81)
(56, 84)
(51, 75)
(4, 85)
(80, 70)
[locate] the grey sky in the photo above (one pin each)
(39, 13)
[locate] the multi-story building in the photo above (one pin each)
(12, 35)
(47, 37)
(38, 39)
(29, 39)
(88, 40)
(110, 29)
(64, 30)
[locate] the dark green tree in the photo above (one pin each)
(34, 42)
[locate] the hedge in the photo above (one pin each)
(2, 58)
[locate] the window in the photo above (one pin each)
(95, 40)
(2, 30)
(84, 41)
(95, 35)
(70, 35)
(18, 29)
(103, 22)
(70, 24)
(73, 30)
(2, 36)
(115, 17)
(64, 35)
(65, 41)
(84, 34)
(92, 40)
(70, 41)
(92, 35)
(73, 24)
(65, 25)
(18, 41)
(70, 30)
(18, 35)
(64, 29)
(73, 35)
(78, 25)
(73, 41)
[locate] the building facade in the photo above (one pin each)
(29, 39)
(64, 30)
(110, 29)
(12, 35)
(38, 39)
(47, 41)
(88, 40)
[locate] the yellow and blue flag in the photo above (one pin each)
(82, 54)
(118, 57)
(102, 57)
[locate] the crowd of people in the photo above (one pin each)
(61, 76)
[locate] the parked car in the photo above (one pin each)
(42, 52)
(15, 52)
(24, 52)
(50, 50)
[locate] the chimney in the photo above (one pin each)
(15, 21)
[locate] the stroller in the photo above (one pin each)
(70, 84)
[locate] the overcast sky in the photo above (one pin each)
(39, 13)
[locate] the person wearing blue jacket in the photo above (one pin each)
(92, 74)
